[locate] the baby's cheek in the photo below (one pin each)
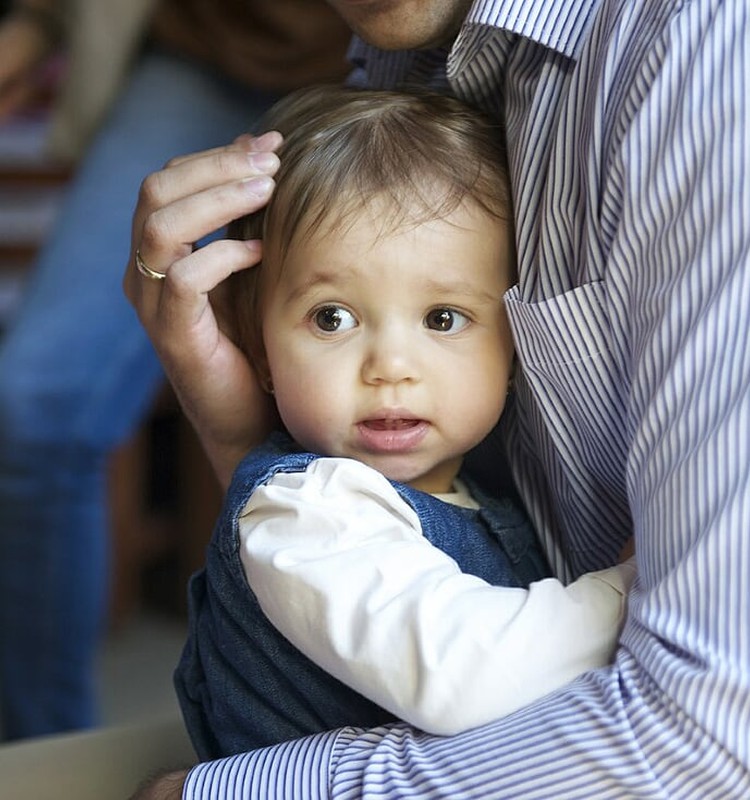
(305, 417)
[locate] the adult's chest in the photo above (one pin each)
(570, 311)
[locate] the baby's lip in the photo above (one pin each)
(392, 431)
(391, 419)
(391, 423)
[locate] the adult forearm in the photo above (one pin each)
(611, 735)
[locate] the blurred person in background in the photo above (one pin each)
(143, 82)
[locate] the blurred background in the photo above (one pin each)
(106, 500)
(145, 624)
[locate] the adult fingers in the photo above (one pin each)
(268, 142)
(217, 386)
(186, 202)
(199, 172)
(176, 310)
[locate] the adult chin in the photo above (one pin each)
(404, 24)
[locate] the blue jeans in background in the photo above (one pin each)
(77, 374)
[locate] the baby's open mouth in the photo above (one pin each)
(392, 434)
(390, 424)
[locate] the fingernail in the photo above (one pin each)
(260, 186)
(264, 161)
(269, 140)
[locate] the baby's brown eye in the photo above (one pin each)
(445, 320)
(440, 319)
(331, 319)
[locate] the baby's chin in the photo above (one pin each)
(436, 480)
(409, 468)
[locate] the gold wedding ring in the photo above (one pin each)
(145, 270)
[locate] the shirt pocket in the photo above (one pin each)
(571, 411)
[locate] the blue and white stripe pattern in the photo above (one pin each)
(629, 137)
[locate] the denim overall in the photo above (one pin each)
(242, 685)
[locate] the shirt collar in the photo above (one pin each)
(557, 24)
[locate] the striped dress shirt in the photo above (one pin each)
(628, 127)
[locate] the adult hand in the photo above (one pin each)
(188, 199)
(165, 787)
(24, 46)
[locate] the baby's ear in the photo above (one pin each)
(262, 370)
(266, 383)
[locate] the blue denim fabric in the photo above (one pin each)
(242, 685)
(77, 373)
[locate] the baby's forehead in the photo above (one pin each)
(299, 224)
(373, 241)
(388, 213)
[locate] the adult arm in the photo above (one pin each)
(339, 564)
(191, 197)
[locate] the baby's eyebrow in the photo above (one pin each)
(460, 288)
(442, 290)
(316, 278)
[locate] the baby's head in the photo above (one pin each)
(419, 155)
(388, 207)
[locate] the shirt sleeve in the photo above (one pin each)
(297, 769)
(339, 564)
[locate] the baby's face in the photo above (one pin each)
(394, 349)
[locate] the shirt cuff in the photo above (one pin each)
(299, 768)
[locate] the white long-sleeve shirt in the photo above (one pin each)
(339, 564)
